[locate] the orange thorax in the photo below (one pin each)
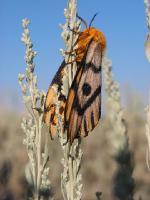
(85, 37)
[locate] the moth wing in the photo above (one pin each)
(50, 116)
(83, 106)
(70, 122)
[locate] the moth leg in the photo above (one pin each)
(74, 30)
(77, 59)
(72, 53)
(71, 62)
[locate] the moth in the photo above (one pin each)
(82, 107)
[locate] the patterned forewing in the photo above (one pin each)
(83, 110)
(71, 116)
(91, 104)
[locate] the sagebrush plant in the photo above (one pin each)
(71, 185)
(37, 171)
(147, 52)
(147, 127)
(123, 182)
(147, 42)
(32, 125)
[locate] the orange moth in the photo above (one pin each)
(82, 107)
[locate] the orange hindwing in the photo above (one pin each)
(53, 95)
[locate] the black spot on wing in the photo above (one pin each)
(80, 109)
(86, 89)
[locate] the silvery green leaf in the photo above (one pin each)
(28, 174)
(23, 88)
(146, 1)
(24, 141)
(147, 47)
(25, 22)
(42, 97)
(66, 13)
(35, 79)
(26, 31)
(21, 77)
(27, 99)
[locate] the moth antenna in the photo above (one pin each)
(92, 19)
(82, 20)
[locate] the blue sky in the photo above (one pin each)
(123, 23)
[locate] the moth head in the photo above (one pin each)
(94, 34)
(88, 35)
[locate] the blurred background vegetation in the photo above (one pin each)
(98, 167)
